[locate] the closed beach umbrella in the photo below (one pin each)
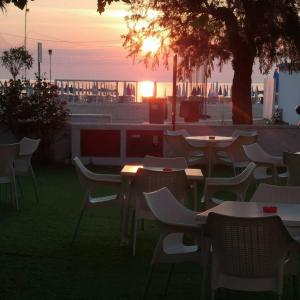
(183, 90)
(220, 91)
(276, 81)
(155, 89)
(194, 91)
(217, 88)
(186, 89)
(128, 90)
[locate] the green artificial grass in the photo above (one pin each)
(37, 260)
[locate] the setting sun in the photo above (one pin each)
(151, 44)
(147, 88)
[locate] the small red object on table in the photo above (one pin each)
(167, 169)
(270, 209)
(211, 137)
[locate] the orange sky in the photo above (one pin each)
(85, 45)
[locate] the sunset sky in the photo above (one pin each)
(85, 45)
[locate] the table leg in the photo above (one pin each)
(209, 156)
(125, 221)
(195, 195)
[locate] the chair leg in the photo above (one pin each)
(36, 191)
(212, 295)
(168, 279)
(142, 224)
(77, 225)
(19, 183)
(295, 288)
(148, 282)
(14, 192)
(203, 282)
(134, 233)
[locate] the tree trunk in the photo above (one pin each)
(241, 89)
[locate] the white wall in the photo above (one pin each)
(289, 96)
(268, 98)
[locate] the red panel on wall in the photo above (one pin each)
(100, 143)
(142, 142)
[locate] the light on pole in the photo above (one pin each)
(25, 36)
(50, 66)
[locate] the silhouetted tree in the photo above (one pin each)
(209, 31)
(19, 3)
(15, 59)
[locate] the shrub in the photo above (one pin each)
(33, 110)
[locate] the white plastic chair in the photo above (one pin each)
(171, 162)
(180, 147)
(239, 132)
(292, 161)
(22, 163)
(246, 256)
(277, 194)
(264, 162)
(237, 185)
(233, 154)
(175, 221)
(89, 182)
(8, 153)
(182, 132)
(269, 193)
(147, 180)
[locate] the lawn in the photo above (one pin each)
(37, 260)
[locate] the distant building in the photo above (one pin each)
(289, 94)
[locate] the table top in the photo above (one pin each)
(192, 174)
(289, 213)
(210, 138)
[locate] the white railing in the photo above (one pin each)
(97, 91)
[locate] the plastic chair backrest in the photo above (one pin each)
(179, 146)
(28, 146)
(182, 132)
(239, 132)
(147, 180)
(8, 153)
(246, 247)
(236, 151)
(90, 179)
(277, 194)
(256, 153)
(168, 210)
(171, 162)
(292, 161)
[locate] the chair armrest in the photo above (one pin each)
(218, 181)
(106, 178)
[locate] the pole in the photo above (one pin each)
(25, 37)
(174, 92)
(50, 68)
(39, 70)
(50, 71)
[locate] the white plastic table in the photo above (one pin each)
(210, 141)
(289, 213)
(194, 176)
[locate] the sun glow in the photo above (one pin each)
(151, 44)
(147, 88)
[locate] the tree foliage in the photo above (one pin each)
(19, 3)
(209, 31)
(33, 110)
(15, 59)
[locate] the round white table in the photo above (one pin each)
(210, 141)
